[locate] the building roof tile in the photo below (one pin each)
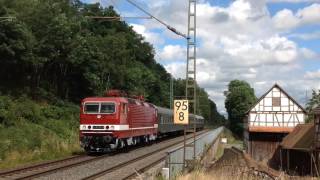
(301, 138)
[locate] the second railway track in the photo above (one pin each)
(44, 170)
(128, 169)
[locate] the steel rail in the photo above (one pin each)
(35, 166)
(51, 170)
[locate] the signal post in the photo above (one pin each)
(181, 116)
(181, 107)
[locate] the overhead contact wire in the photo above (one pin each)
(157, 19)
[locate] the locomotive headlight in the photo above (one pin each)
(112, 127)
(89, 127)
(83, 127)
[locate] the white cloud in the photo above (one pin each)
(308, 54)
(264, 51)
(177, 69)
(313, 75)
(172, 53)
(218, 99)
(208, 73)
(153, 38)
(286, 19)
(260, 83)
(241, 41)
(306, 36)
(309, 14)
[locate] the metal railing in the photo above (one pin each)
(174, 160)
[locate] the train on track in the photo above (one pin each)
(116, 121)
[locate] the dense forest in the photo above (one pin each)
(52, 54)
(54, 50)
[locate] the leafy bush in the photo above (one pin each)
(5, 105)
(31, 131)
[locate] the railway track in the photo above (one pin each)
(129, 169)
(39, 170)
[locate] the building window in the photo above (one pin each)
(276, 101)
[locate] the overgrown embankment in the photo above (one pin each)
(31, 131)
(215, 169)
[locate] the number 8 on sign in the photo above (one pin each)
(181, 112)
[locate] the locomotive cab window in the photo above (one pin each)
(91, 108)
(107, 108)
(99, 107)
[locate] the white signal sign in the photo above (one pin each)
(181, 112)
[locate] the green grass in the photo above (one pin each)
(232, 139)
(33, 132)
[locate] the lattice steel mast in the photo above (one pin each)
(191, 84)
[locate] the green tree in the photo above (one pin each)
(239, 97)
(313, 102)
(16, 43)
(215, 117)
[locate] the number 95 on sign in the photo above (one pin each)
(181, 112)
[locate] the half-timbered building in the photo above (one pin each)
(268, 121)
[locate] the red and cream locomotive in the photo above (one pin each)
(116, 121)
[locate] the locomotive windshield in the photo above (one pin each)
(107, 108)
(99, 107)
(91, 108)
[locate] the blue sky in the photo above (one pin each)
(275, 7)
(261, 42)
